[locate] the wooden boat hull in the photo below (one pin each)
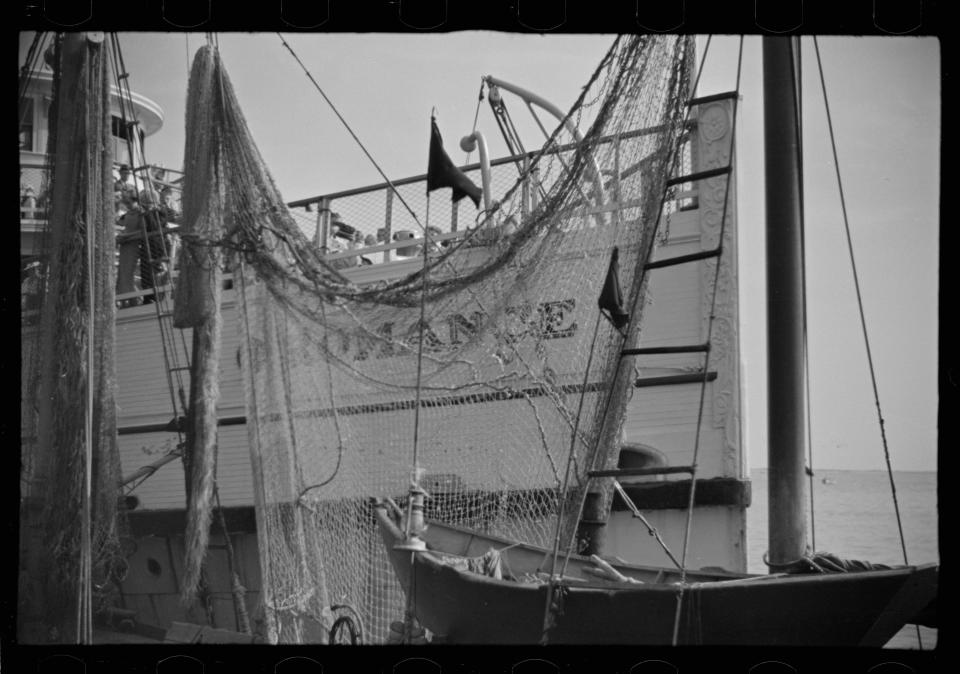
(861, 608)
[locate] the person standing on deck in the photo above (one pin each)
(153, 249)
(129, 236)
(342, 238)
(125, 194)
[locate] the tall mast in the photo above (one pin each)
(785, 306)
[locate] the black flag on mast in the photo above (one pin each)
(611, 299)
(442, 173)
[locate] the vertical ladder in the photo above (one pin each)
(176, 353)
(176, 358)
(703, 347)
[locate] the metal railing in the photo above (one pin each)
(385, 226)
(383, 231)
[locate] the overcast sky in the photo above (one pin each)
(884, 95)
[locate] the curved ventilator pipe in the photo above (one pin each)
(469, 144)
(531, 98)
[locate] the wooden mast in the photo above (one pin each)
(785, 306)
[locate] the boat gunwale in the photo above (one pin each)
(615, 563)
(433, 557)
(387, 522)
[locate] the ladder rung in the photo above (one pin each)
(699, 175)
(674, 379)
(712, 97)
(182, 367)
(627, 472)
(176, 424)
(652, 350)
(681, 259)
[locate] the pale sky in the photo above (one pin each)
(884, 95)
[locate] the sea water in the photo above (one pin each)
(854, 518)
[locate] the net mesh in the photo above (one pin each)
(473, 368)
(79, 215)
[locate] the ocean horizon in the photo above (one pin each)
(854, 518)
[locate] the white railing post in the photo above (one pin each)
(323, 224)
(388, 224)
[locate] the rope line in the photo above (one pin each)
(352, 134)
(671, 162)
(34, 56)
(416, 411)
(863, 320)
(335, 415)
(476, 116)
(484, 338)
(710, 324)
(691, 501)
(85, 622)
(566, 482)
(171, 358)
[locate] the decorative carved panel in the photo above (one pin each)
(717, 200)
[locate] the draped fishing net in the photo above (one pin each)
(485, 368)
(74, 294)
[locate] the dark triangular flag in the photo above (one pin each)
(442, 173)
(611, 298)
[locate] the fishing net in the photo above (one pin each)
(75, 297)
(487, 369)
(197, 306)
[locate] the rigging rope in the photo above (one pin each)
(547, 613)
(672, 160)
(706, 358)
(512, 138)
(546, 135)
(420, 331)
(476, 115)
(34, 54)
(670, 164)
(171, 359)
(84, 608)
(495, 321)
(351, 132)
(863, 320)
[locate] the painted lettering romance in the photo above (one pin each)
(535, 322)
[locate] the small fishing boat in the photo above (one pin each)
(487, 341)
(468, 587)
(460, 603)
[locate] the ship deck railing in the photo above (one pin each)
(394, 239)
